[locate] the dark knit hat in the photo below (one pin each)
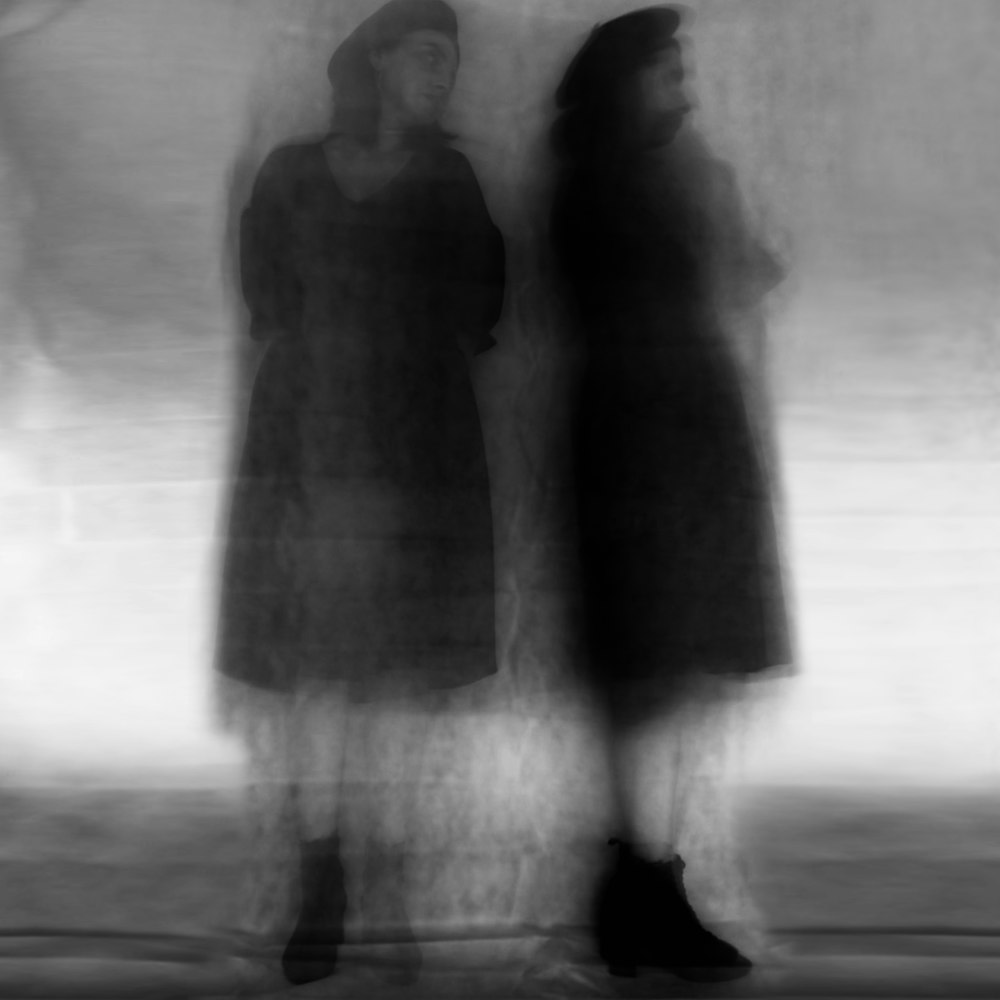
(388, 26)
(615, 48)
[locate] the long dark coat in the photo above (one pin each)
(677, 537)
(360, 544)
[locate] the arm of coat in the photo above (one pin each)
(746, 270)
(269, 285)
(477, 263)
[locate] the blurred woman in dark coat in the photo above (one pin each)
(680, 565)
(359, 563)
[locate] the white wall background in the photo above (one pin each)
(863, 133)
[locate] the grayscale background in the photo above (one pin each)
(865, 137)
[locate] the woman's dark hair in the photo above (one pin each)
(357, 103)
(596, 97)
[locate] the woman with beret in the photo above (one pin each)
(678, 551)
(359, 561)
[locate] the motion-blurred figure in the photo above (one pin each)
(678, 548)
(359, 567)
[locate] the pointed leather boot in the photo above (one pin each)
(644, 918)
(311, 952)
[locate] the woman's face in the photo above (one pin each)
(662, 99)
(416, 79)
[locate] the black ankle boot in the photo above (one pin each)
(644, 918)
(311, 952)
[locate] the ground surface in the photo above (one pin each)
(131, 893)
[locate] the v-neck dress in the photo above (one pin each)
(360, 542)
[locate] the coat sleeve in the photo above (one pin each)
(477, 263)
(269, 284)
(748, 269)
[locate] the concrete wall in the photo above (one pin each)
(129, 132)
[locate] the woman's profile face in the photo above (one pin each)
(416, 79)
(663, 101)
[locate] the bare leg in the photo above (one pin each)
(387, 750)
(318, 740)
(318, 746)
(644, 915)
(670, 769)
(387, 744)
(645, 767)
(261, 721)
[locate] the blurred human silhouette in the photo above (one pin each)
(359, 566)
(681, 575)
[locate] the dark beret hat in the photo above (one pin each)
(387, 27)
(616, 47)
